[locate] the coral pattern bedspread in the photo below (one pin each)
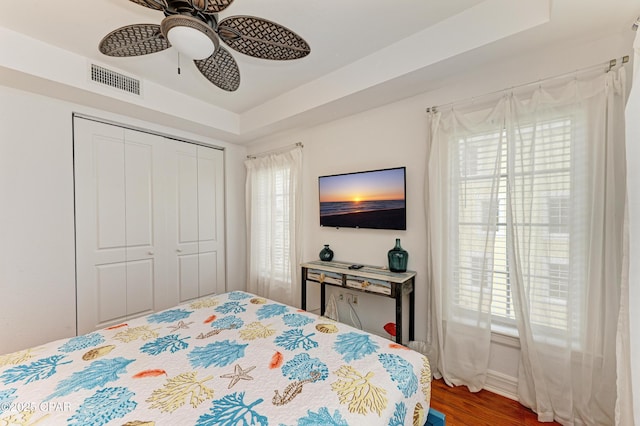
(231, 359)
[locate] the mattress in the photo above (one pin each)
(230, 359)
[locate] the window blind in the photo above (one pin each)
(531, 169)
(272, 190)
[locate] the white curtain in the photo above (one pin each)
(629, 346)
(273, 215)
(526, 207)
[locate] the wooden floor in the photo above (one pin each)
(463, 408)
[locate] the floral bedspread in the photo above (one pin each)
(231, 359)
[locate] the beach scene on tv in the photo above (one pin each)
(373, 199)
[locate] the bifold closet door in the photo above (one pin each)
(183, 220)
(196, 220)
(116, 232)
(211, 243)
(149, 223)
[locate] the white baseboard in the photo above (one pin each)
(502, 384)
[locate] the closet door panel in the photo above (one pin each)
(208, 273)
(100, 224)
(146, 282)
(187, 195)
(207, 200)
(140, 287)
(111, 284)
(107, 155)
(139, 196)
(117, 210)
(182, 219)
(188, 277)
(211, 220)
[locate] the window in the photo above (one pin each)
(558, 279)
(273, 228)
(532, 242)
(273, 209)
(477, 266)
(469, 278)
(531, 174)
(559, 215)
(471, 161)
(281, 238)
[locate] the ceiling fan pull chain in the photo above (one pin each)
(178, 63)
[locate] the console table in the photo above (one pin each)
(368, 279)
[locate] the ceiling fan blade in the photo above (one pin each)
(261, 38)
(209, 6)
(134, 40)
(220, 69)
(151, 4)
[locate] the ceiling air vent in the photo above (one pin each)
(115, 79)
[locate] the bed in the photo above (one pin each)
(229, 359)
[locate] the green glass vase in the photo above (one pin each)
(398, 258)
(326, 254)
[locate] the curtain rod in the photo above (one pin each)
(276, 150)
(610, 64)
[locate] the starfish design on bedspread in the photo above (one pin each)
(238, 374)
(180, 325)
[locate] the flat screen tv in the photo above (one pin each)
(374, 199)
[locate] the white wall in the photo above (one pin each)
(37, 275)
(394, 135)
(37, 254)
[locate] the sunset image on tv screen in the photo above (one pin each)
(373, 199)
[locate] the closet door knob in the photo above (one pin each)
(179, 250)
(150, 253)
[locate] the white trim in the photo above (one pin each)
(145, 130)
(505, 340)
(502, 384)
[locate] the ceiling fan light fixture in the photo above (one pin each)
(191, 42)
(192, 38)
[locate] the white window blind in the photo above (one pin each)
(272, 190)
(531, 173)
(273, 216)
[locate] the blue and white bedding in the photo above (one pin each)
(231, 359)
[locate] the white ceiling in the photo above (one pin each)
(356, 45)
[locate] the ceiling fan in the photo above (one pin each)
(192, 27)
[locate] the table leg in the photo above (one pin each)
(322, 297)
(412, 311)
(399, 317)
(303, 289)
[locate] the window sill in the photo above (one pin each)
(504, 336)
